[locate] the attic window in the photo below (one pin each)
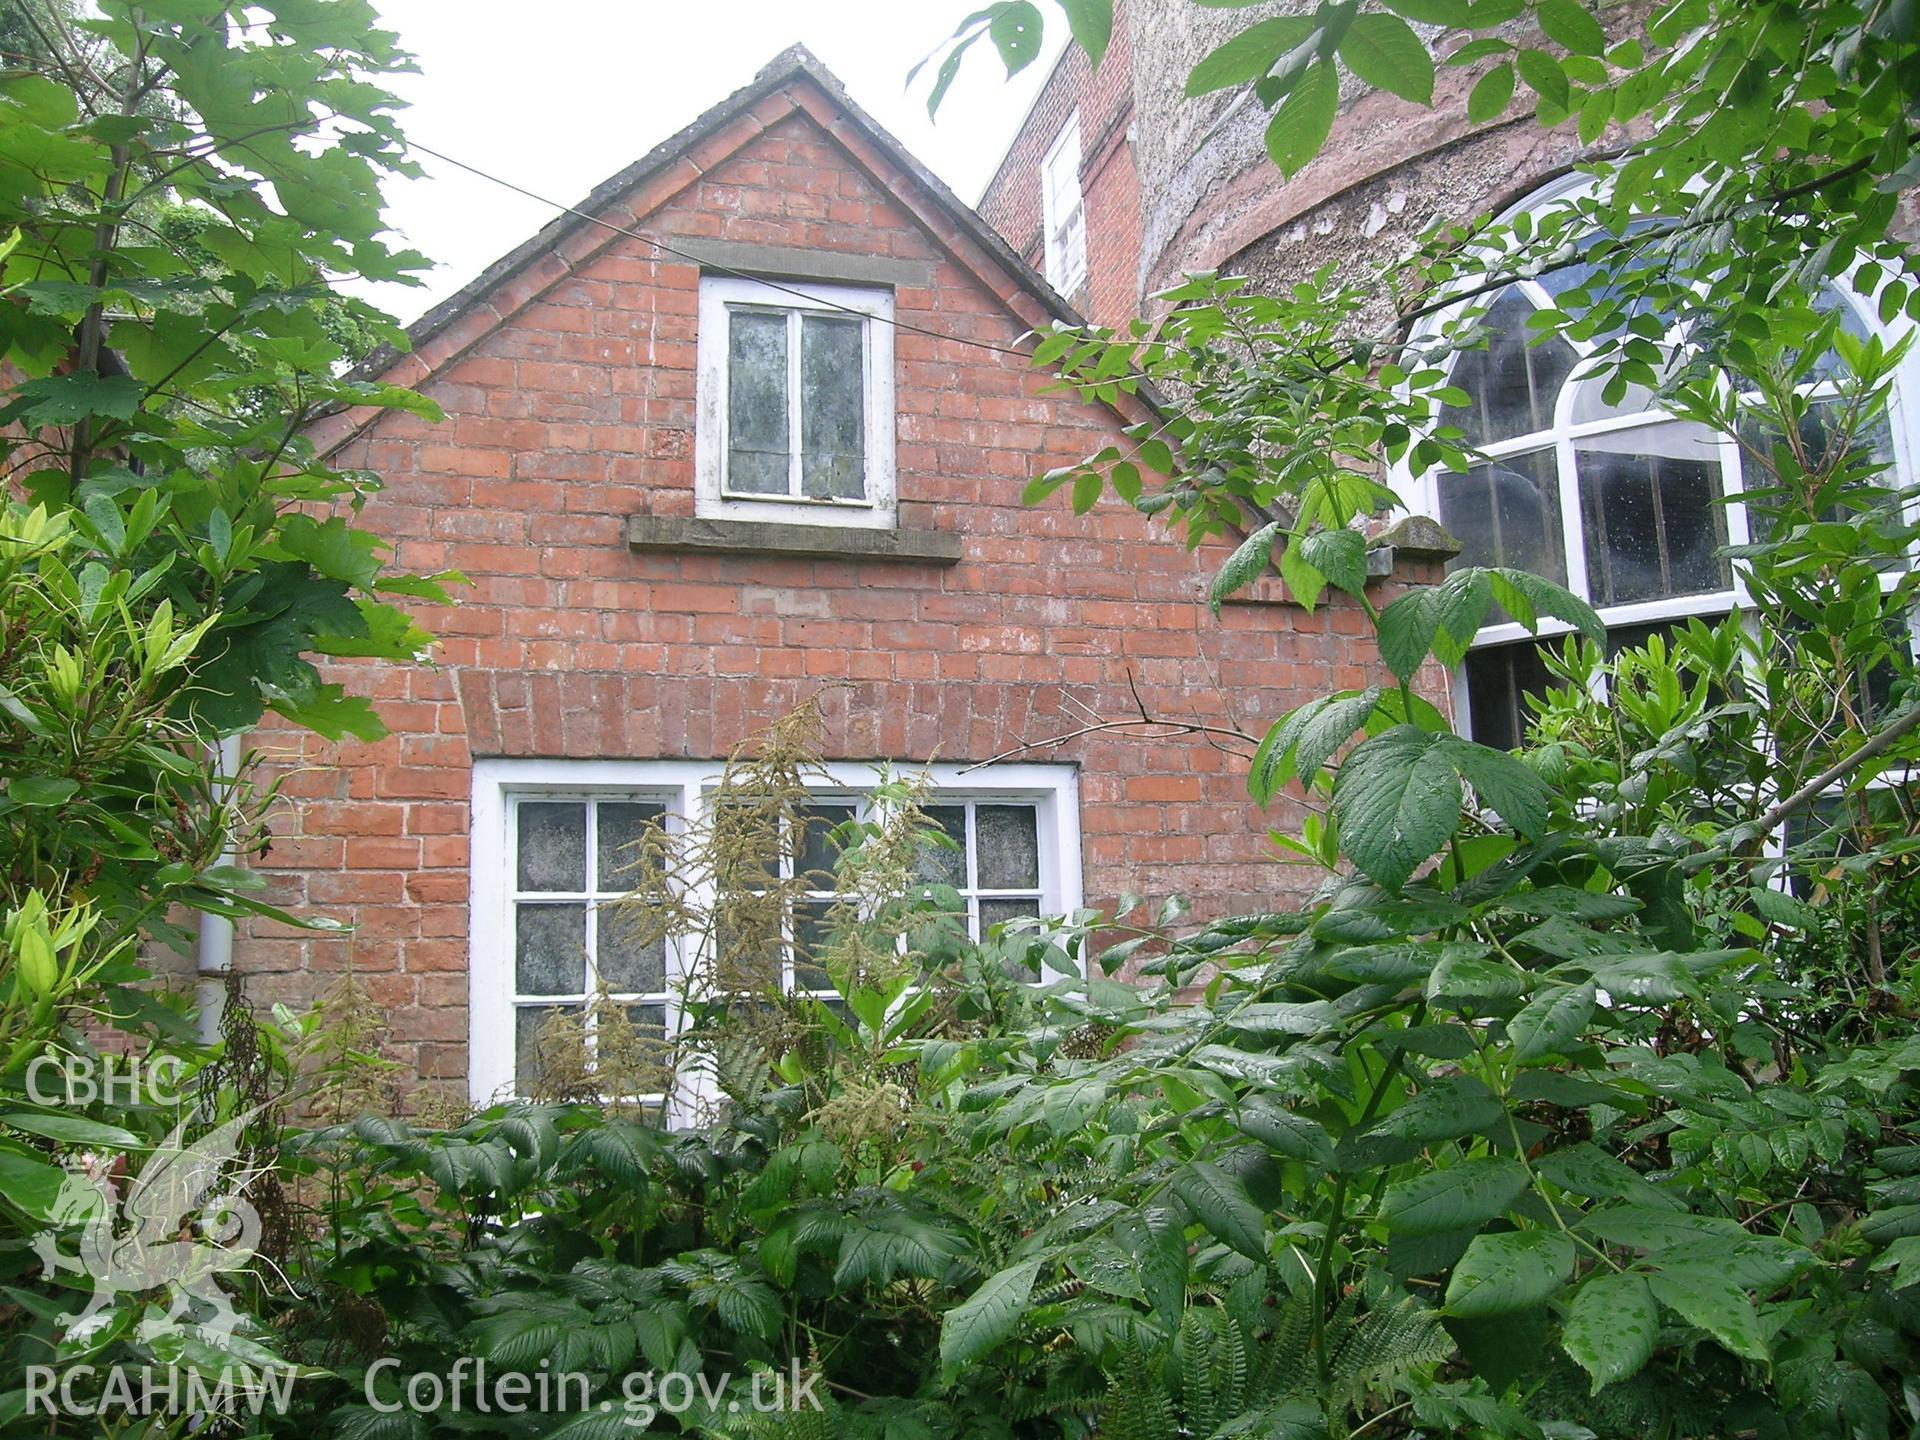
(796, 413)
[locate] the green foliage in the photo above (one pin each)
(1600, 1053)
(181, 189)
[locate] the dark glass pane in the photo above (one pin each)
(622, 824)
(757, 435)
(833, 422)
(818, 847)
(1815, 838)
(1649, 514)
(747, 844)
(1632, 637)
(748, 939)
(550, 949)
(648, 1021)
(552, 845)
(527, 1023)
(811, 936)
(1590, 401)
(1507, 512)
(1830, 302)
(627, 964)
(1511, 385)
(1870, 457)
(944, 864)
(1499, 678)
(1007, 847)
(997, 911)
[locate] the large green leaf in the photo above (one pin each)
(1300, 742)
(1406, 632)
(30, 1184)
(1286, 1132)
(1505, 784)
(1515, 1270)
(1091, 23)
(73, 1130)
(1245, 565)
(1491, 93)
(1568, 24)
(988, 1316)
(1703, 1297)
(1611, 1327)
(1397, 799)
(1384, 51)
(1340, 555)
(1220, 1202)
(1017, 30)
(1248, 56)
(1301, 125)
(1526, 596)
(1460, 1197)
(1549, 1021)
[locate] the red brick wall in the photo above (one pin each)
(576, 409)
(1108, 182)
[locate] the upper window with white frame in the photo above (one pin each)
(1621, 502)
(554, 846)
(795, 403)
(1063, 211)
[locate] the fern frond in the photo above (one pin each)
(1138, 1406)
(1385, 1345)
(1213, 1369)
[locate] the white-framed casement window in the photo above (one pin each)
(795, 403)
(552, 851)
(1622, 503)
(1063, 210)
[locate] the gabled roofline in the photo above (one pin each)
(792, 63)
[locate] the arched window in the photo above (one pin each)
(1622, 503)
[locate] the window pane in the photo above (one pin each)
(648, 1021)
(1499, 678)
(757, 403)
(819, 850)
(1507, 512)
(527, 1023)
(550, 949)
(1590, 401)
(1649, 513)
(748, 941)
(1512, 386)
(998, 912)
(553, 845)
(811, 935)
(1871, 450)
(1007, 856)
(833, 421)
(621, 826)
(629, 965)
(944, 864)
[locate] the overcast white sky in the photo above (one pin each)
(558, 96)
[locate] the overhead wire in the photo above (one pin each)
(707, 263)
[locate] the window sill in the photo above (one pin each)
(680, 534)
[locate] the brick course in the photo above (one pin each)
(571, 407)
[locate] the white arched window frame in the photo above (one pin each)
(1581, 424)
